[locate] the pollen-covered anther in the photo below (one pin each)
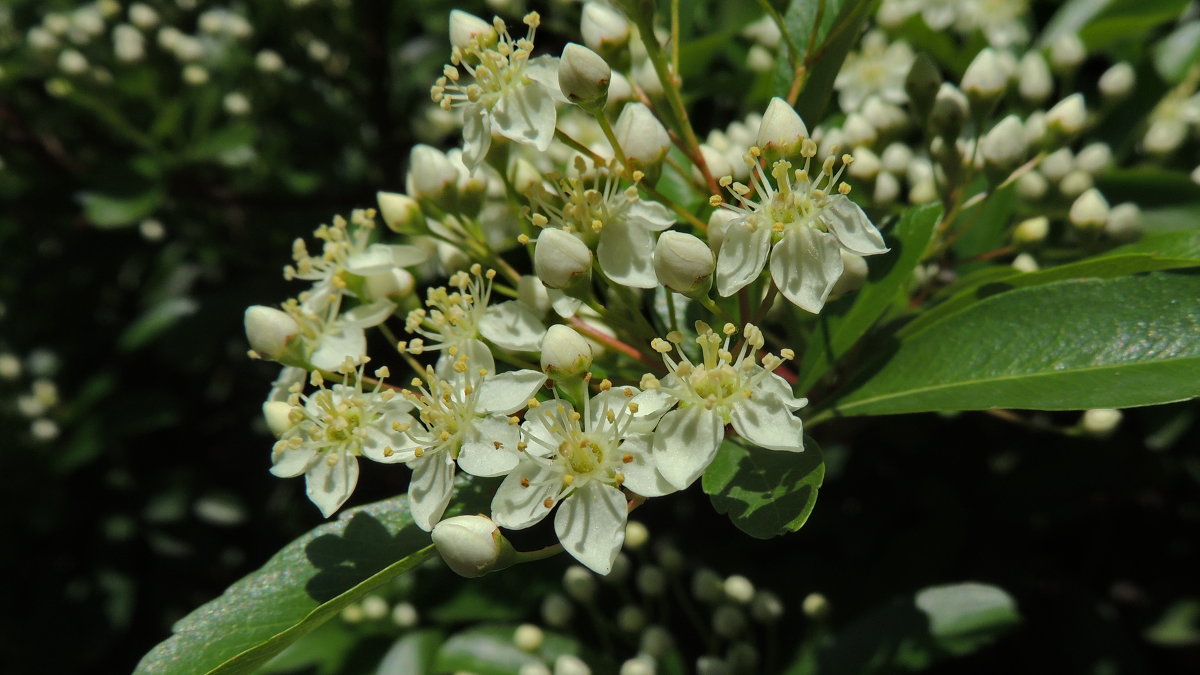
(548, 503)
(660, 345)
(525, 482)
(568, 479)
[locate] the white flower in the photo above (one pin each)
(510, 93)
(461, 413)
(617, 223)
(330, 429)
(582, 460)
(456, 317)
(801, 222)
(878, 68)
(716, 390)
(328, 335)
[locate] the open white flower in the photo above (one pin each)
(878, 69)
(329, 336)
(716, 390)
(331, 428)
(510, 93)
(582, 460)
(616, 222)
(462, 414)
(455, 317)
(803, 222)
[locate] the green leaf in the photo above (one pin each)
(1128, 20)
(154, 321)
(842, 324)
(1119, 262)
(490, 650)
(107, 211)
(911, 634)
(829, 57)
(1066, 345)
(1168, 245)
(1176, 54)
(799, 21)
(222, 143)
(309, 581)
(766, 493)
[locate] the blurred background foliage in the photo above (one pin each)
(148, 199)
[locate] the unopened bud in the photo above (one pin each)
(391, 284)
(781, 130)
(472, 546)
(854, 273)
(1067, 52)
(557, 610)
(269, 330)
(985, 79)
(523, 175)
(922, 84)
(766, 607)
(400, 212)
(1124, 222)
(950, 109)
(739, 589)
(569, 664)
(565, 353)
(560, 257)
(278, 416)
(636, 535)
(887, 188)
(631, 619)
(641, 135)
(1025, 262)
(1117, 81)
(651, 581)
(707, 586)
(683, 263)
(815, 606)
(1100, 422)
(583, 76)
(1068, 116)
(728, 621)
(1004, 146)
(1032, 185)
(1034, 80)
(431, 175)
(857, 130)
(1032, 231)
(866, 164)
(1094, 157)
(1075, 183)
(646, 77)
(464, 26)
(718, 222)
(603, 28)
(1090, 211)
(1058, 164)
(619, 90)
(656, 641)
(639, 665)
(528, 638)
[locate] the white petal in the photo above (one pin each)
(512, 325)
(373, 314)
(805, 265)
(852, 227)
(430, 488)
(774, 385)
(615, 400)
(540, 423)
(377, 258)
(743, 256)
(768, 423)
(480, 456)
(652, 405)
(685, 443)
(330, 486)
(378, 440)
(544, 71)
(478, 354)
(591, 525)
(626, 254)
(333, 348)
(526, 114)
(642, 475)
(649, 216)
(477, 136)
(506, 393)
(563, 304)
(293, 461)
(516, 506)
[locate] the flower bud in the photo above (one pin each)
(583, 76)
(560, 257)
(646, 77)
(728, 621)
(1067, 52)
(854, 274)
(1090, 211)
(1032, 185)
(1094, 157)
(565, 353)
(651, 581)
(639, 665)
(896, 157)
(400, 212)
(683, 263)
(523, 175)
(656, 641)
(739, 589)
(619, 90)
(922, 84)
(472, 546)
(1032, 231)
(631, 619)
(950, 109)
(707, 587)
(431, 176)
(1101, 421)
(883, 115)
(718, 222)
(569, 664)
(636, 535)
(815, 606)
(766, 607)
(604, 29)
(717, 162)
(1058, 164)
(1068, 116)
(464, 26)
(985, 79)
(781, 129)
(1075, 183)
(391, 284)
(887, 188)
(269, 330)
(1124, 222)
(404, 615)
(1004, 146)
(1024, 262)
(642, 136)
(1117, 81)
(557, 610)
(528, 638)
(278, 416)
(857, 130)
(1034, 80)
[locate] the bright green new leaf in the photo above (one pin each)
(766, 493)
(1065, 345)
(107, 211)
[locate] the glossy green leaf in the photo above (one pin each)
(1065, 345)
(911, 634)
(1128, 20)
(1168, 245)
(154, 321)
(309, 581)
(800, 28)
(490, 650)
(766, 493)
(841, 325)
(1135, 259)
(107, 211)
(827, 58)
